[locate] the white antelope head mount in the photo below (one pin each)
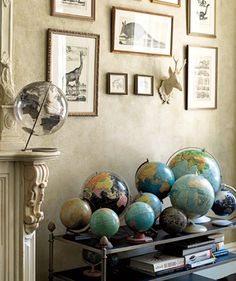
(167, 85)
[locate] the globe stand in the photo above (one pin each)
(139, 238)
(105, 243)
(92, 272)
(194, 228)
(221, 223)
(203, 219)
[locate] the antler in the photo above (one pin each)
(176, 63)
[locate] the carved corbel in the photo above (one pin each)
(36, 179)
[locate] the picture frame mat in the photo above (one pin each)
(176, 3)
(59, 42)
(153, 22)
(210, 54)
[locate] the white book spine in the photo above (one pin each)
(200, 263)
(203, 255)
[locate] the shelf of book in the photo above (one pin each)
(129, 274)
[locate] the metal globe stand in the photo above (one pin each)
(194, 228)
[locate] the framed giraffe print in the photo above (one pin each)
(202, 18)
(73, 66)
(141, 32)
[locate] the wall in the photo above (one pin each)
(130, 128)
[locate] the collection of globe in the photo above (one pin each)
(191, 178)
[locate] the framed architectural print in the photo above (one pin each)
(143, 85)
(82, 9)
(117, 83)
(73, 67)
(202, 18)
(141, 32)
(202, 77)
(175, 3)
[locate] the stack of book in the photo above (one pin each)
(157, 263)
(218, 247)
(196, 251)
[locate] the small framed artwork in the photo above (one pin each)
(202, 77)
(143, 85)
(117, 83)
(81, 9)
(141, 32)
(176, 3)
(202, 18)
(73, 67)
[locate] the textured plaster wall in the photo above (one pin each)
(130, 128)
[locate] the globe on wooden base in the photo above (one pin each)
(194, 196)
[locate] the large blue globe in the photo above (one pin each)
(193, 195)
(196, 161)
(154, 177)
(139, 216)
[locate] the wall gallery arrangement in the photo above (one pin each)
(74, 55)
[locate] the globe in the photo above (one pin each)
(106, 190)
(93, 259)
(196, 161)
(75, 214)
(139, 217)
(172, 221)
(193, 195)
(104, 222)
(154, 177)
(152, 200)
(224, 204)
(41, 108)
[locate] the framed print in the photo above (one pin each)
(202, 18)
(82, 9)
(117, 83)
(143, 85)
(73, 67)
(176, 3)
(141, 32)
(202, 77)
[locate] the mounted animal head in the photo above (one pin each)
(171, 82)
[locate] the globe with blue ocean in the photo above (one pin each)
(196, 161)
(154, 177)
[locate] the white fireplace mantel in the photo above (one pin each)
(23, 179)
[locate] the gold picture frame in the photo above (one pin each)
(73, 60)
(153, 32)
(175, 3)
(84, 10)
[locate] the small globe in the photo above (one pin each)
(193, 195)
(40, 108)
(139, 216)
(196, 161)
(154, 177)
(75, 214)
(152, 200)
(90, 257)
(172, 221)
(104, 222)
(224, 204)
(107, 190)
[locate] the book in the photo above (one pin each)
(195, 242)
(199, 256)
(158, 273)
(201, 263)
(178, 250)
(222, 252)
(154, 263)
